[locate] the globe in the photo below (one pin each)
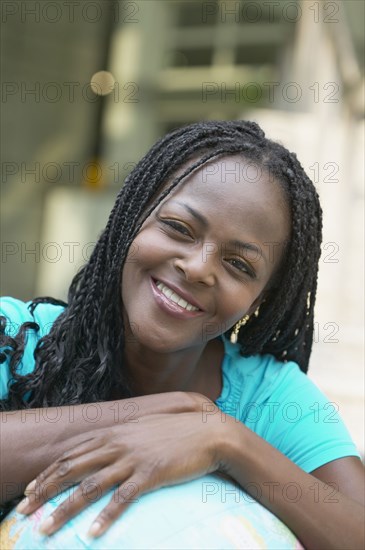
(206, 513)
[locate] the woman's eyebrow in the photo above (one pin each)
(237, 245)
(249, 247)
(199, 217)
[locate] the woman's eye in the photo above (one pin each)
(241, 266)
(177, 226)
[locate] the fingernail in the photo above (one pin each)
(22, 506)
(94, 529)
(47, 525)
(30, 487)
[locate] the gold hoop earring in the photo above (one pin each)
(238, 325)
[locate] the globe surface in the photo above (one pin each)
(206, 513)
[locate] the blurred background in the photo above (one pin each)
(88, 86)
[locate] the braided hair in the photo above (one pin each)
(81, 359)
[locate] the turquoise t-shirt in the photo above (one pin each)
(274, 399)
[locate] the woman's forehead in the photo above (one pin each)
(224, 195)
(227, 177)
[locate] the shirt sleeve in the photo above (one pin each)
(16, 313)
(301, 422)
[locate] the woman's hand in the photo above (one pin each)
(46, 433)
(158, 450)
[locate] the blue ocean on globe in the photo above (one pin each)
(206, 513)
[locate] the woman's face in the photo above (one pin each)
(213, 244)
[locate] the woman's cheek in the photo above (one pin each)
(154, 249)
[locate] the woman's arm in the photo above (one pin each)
(325, 509)
(166, 449)
(32, 439)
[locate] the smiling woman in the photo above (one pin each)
(200, 256)
(195, 249)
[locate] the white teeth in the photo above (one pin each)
(175, 297)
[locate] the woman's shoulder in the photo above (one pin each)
(39, 321)
(280, 403)
(256, 377)
(18, 312)
(262, 379)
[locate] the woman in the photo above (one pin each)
(216, 234)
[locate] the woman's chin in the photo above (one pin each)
(156, 335)
(161, 343)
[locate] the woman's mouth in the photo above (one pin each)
(174, 297)
(170, 301)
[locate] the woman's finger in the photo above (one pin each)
(90, 490)
(63, 474)
(125, 495)
(41, 490)
(80, 449)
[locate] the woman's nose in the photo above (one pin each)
(197, 268)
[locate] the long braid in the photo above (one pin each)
(81, 359)
(294, 301)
